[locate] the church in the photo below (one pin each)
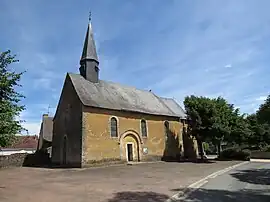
(99, 121)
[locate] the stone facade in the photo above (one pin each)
(67, 128)
(98, 145)
(81, 135)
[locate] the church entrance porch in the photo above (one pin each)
(130, 147)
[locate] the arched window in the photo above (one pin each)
(114, 131)
(166, 128)
(143, 128)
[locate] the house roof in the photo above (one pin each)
(109, 95)
(25, 142)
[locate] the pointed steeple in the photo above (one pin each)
(89, 61)
(89, 48)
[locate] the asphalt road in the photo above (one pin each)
(249, 182)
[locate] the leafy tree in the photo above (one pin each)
(222, 119)
(263, 114)
(260, 135)
(240, 129)
(198, 110)
(214, 120)
(10, 107)
(260, 125)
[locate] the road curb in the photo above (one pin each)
(201, 182)
(260, 160)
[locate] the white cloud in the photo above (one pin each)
(261, 98)
(228, 66)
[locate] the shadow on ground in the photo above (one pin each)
(253, 176)
(212, 195)
(206, 161)
(139, 197)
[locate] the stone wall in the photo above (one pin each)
(37, 159)
(67, 124)
(12, 160)
(260, 155)
(98, 143)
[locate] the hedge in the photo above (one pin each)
(235, 154)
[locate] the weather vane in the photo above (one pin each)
(90, 16)
(49, 109)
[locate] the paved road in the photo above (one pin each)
(250, 182)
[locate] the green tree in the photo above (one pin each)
(199, 110)
(240, 129)
(214, 120)
(263, 123)
(221, 121)
(260, 135)
(10, 106)
(263, 114)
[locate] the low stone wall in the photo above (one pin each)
(151, 158)
(12, 160)
(114, 161)
(38, 159)
(111, 161)
(260, 155)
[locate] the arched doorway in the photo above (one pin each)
(130, 146)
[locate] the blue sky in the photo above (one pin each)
(174, 47)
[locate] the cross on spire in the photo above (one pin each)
(49, 109)
(90, 16)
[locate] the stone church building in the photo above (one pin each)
(97, 120)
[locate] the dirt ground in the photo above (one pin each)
(141, 182)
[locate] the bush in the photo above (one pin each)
(266, 148)
(209, 148)
(235, 154)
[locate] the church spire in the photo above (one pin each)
(89, 60)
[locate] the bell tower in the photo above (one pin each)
(89, 64)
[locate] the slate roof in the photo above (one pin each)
(174, 106)
(25, 142)
(89, 48)
(109, 95)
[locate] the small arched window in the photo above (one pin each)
(114, 131)
(166, 128)
(143, 128)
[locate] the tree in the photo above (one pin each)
(214, 120)
(256, 138)
(262, 124)
(263, 114)
(240, 129)
(198, 110)
(260, 127)
(10, 106)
